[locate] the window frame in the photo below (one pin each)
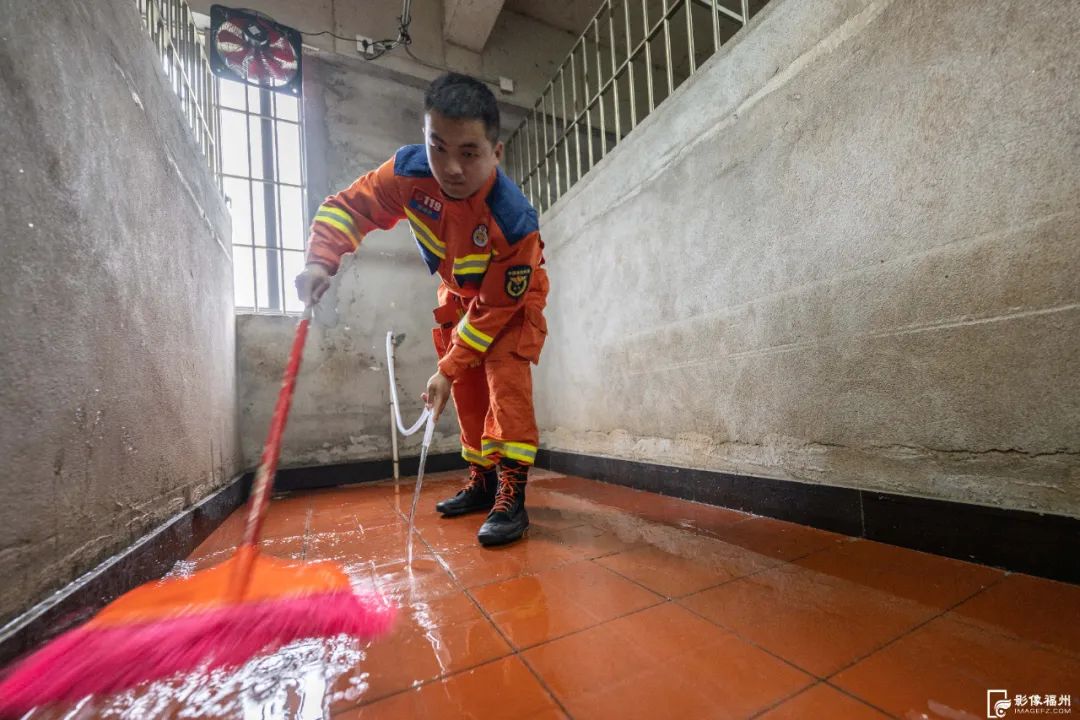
(270, 242)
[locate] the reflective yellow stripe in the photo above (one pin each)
(427, 243)
(470, 269)
(471, 343)
(475, 457)
(471, 261)
(339, 214)
(425, 236)
(334, 223)
(522, 452)
(476, 333)
(519, 451)
(473, 337)
(472, 258)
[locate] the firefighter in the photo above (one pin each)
(477, 231)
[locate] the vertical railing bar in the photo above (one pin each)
(217, 133)
(181, 51)
(648, 52)
(189, 67)
(554, 150)
(536, 160)
(523, 150)
(715, 27)
(667, 51)
(566, 127)
(614, 77)
(690, 34)
(745, 12)
(547, 146)
(192, 79)
(599, 89)
(630, 65)
(577, 129)
(519, 160)
(587, 100)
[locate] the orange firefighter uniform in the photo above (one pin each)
(489, 323)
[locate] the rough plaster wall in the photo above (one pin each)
(356, 118)
(846, 252)
(117, 382)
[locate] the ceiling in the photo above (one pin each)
(568, 15)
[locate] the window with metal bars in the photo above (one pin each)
(262, 168)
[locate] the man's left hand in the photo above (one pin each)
(438, 392)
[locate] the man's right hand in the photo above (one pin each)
(312, 283)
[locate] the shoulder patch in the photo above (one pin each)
(517, 280)
(511, 210)
(411, 161)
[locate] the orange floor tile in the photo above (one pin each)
(623, 604)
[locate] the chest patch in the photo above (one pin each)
(517, 280)
(423, 203)
(480, 236)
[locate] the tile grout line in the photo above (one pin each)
(786, 698)
(750, 642)
(817, 683)
(826, 678)
(817, 679)
(864, 701)
(444, 676)
(665, 599)
(423, 683)
(514, 651)
(912, 630)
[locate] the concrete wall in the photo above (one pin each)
(845, 252)
(117, 385)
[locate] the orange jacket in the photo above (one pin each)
(486, 248)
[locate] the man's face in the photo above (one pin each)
(459, 153)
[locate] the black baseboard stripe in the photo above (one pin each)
(326, 476)
(1015, 540)
(150, 557)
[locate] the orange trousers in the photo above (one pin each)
(493, 398)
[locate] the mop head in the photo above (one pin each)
(193, 623)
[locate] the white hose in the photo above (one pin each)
(429, 431)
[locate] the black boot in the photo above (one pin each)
(508, 520)
(477, 495)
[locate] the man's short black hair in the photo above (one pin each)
(461, 97)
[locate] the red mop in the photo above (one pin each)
(215, 618)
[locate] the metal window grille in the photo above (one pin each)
(262, 169)
(183, 57)
(632, 55)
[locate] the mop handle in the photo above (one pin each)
(264, 477)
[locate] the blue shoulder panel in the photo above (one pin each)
(511, 209)
(411, 161)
